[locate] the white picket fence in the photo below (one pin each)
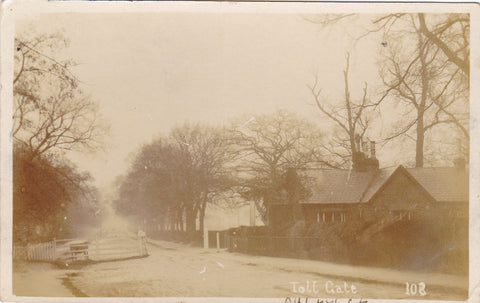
(35, 252)
(41, 251)
(70, 250)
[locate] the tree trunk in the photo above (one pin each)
(190, 221)
(201, 219)
(180, 219)
(464, 64)
(201, 216)
(262, 210)
(420, 138)
(177, 219)
(351, 126)
(421, 106)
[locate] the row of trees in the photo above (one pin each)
(173, 178)
(51, 114)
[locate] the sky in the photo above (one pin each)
(152, 71)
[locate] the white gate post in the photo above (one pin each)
(205, 238)
(54, 249)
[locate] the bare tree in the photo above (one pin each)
(350, 117)
(152, 189)
(428, 69)
(207, 151)
(417, 73)
(269, 145)
(452, 36)
(173, 179)
(51, 114)
(449, 32)
(50, 110)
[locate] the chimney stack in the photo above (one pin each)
(357, 142)
(365, 157)
(373, 153)
(364, 147)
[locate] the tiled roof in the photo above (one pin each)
(381, 176)
(342, 186)
(348, 186)
(445, 184)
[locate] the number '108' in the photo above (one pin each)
(414, 288)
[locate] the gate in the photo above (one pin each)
(71, 250)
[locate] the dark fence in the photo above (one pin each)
(386, 249)
(273, 246)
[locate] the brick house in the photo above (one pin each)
(339, 196)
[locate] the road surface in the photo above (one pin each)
(176, 270)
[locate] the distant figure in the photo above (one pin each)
(142, 243)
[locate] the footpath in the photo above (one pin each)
(39, 280)
(436, 282)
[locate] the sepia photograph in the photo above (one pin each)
(275, 151)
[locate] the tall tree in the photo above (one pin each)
(51, 114)
(351, 117)
(208, 152)
(419, 74)
(50, 110)
(434, 54)
(45, 192)
(269, 145)
(150, 190)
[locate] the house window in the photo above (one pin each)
(332, 217)
(342, 216)
(320, 217)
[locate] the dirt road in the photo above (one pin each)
(175, 270)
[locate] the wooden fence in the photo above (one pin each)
(71, 250)
(117, 248)
(47, 251)
(41, 251)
